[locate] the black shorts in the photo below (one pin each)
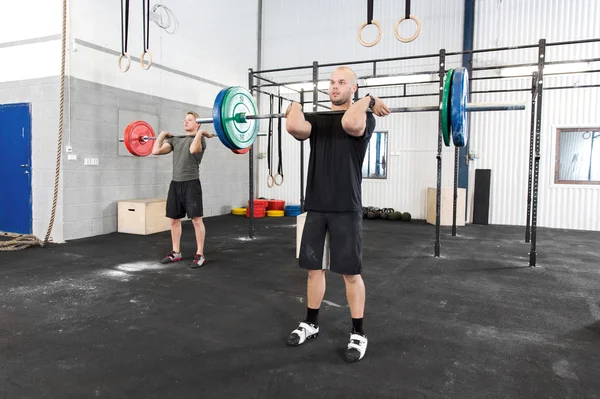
(345, 239)
(185, 197)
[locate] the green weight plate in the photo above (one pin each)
(240, 134)
(446, 96)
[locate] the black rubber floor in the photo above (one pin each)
(102, 318)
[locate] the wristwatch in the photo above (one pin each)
(372, 103)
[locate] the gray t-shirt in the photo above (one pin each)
(185, 165)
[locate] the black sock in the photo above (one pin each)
(357, 326)
(312, 316)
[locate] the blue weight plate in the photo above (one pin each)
(217, 123)
(459, 114)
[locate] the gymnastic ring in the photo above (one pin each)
(149, 61)
(373, 42)
(128, 62)
(270, 181)
(413, 37)
(275, 179)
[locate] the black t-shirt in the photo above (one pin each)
(335, 165)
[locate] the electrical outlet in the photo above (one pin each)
(72, 157)
(69, 148)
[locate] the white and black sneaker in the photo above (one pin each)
(304, 332)
(356, 347)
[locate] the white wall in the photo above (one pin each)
(298, 33)
(214, 41)
(24, 24)
(501, 140)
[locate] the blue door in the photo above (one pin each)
(15, 168)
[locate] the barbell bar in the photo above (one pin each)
(235, 115)
(471, 107)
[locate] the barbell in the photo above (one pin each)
(235, 115)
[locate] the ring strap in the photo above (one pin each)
(279, 150)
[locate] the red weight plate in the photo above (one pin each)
(242, 151)
(134, 138)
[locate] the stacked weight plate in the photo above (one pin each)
(235, 135)
(455, 97)
(292, 210)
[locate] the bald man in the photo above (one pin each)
(338, 146)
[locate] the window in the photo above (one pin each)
(375, 163)
(577, 156)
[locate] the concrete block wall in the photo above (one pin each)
(44, 96)
(91, 192)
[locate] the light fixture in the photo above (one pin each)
(549, 69)
(396, 80)
(307, 87)
(568, 68)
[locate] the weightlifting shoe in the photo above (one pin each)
(303, 333)
(356, 347)
(198, 261)
(172, 257)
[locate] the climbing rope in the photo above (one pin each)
(60, 121)
(23, 241)
(19, 242)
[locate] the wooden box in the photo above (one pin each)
(446, 210)
(143, 216)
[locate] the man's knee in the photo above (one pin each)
(352, 278)
(316, 273)
(197, 221)
(175, 222)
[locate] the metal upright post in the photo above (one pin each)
(531, 148)
(315, 85)
(251, 170)
(442, 72)
(302, 160)
(315, 79)
(536, 168)
(455, 198)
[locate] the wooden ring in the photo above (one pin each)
(413, 37)
(373, 42)
(149, 61)
(128, 62)
(270, 181)
(275, 180)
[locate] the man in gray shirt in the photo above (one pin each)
(185, 190)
